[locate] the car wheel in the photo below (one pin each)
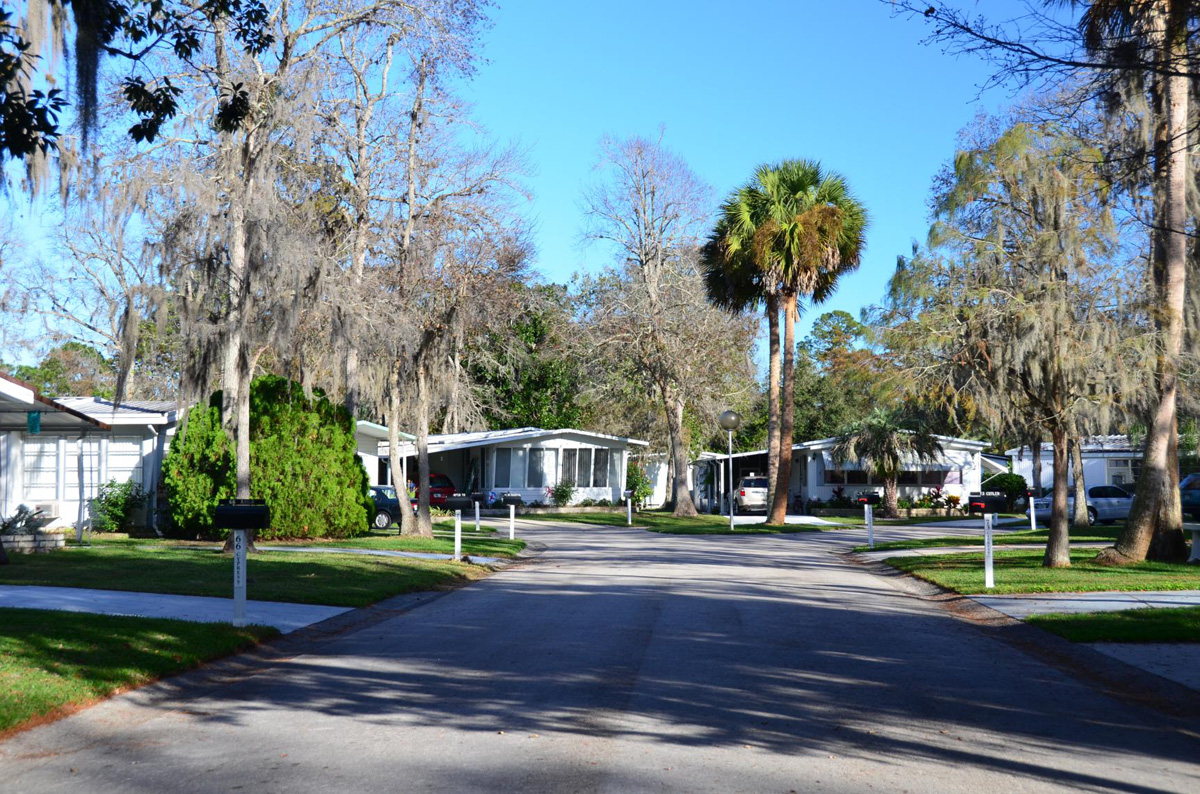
(1091, 516)
(383, 520)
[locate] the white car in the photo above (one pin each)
(751, 494)
(1105, 503)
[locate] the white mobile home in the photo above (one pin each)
(526, 461)
(957, 471)
(1107, 460)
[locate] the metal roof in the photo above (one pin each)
(1091, 444)
(452, 441)
(18, 399)
(827, 443)
(133, 412)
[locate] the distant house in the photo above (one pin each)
(957, 471)
(1107, 460)
(525, 461)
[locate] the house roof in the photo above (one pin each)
(378, 431)
(825, 444)
(132, 412)
(452, 441)
(1091, 444)
(18, 399)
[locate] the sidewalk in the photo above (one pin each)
(202, 609)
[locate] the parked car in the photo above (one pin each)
(1106, 503)
(1189, 495)
(751, 494)
(387, 506)
(440, 487)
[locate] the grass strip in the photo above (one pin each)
(1021, 571)
(52, 661)
(348, 580)
(1097, 534)
(1171, 624)
(671, 525)
(483, 544)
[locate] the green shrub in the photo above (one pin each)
(637, 481)
(303, 463)
(561, 494)
(115, 505)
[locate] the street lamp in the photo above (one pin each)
(730, 421)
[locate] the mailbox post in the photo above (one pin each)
(241, 517)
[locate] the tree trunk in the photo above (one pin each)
(407, 519)
(1035, 454)
(424, 524)
(773, 374)
(1058, 547)
(684, 506)
(1079, 514)
(1154, 529)
(787, 416)
(891, 498)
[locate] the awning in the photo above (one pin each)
(910, 464)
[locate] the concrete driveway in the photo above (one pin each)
(621, 660)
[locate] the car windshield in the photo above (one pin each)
(754, 482)
(386, 492)
(1191, 482)
(440, 481)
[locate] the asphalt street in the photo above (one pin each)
(620, 660)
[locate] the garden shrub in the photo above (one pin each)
(115, 505)
(1013, 486)
(561, 493)
(303, 463)
(637, 481)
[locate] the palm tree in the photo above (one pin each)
(800, 228)
(882, 445)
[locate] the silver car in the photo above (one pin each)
(1105, 503)
(751, 494)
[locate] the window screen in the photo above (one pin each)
(541, 463)
(568, 465)
(584, 478)
(600, 469)
(503, 467)
(518, 469)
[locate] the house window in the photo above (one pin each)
(41, 469)
(518, 469)
(933, 477)
(856, 477)
(584, 479)
(503, 467)
(908, 478)
(600, 469)
(835, 477)
(541, 464)
(1124, 471)
(568, 465)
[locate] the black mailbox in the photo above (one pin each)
(242, 514)
(458, 502)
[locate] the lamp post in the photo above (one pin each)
(730, 421)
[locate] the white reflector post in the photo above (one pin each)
(989, 578)
(457, 535)
(869, 514)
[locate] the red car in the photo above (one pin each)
(440, 487)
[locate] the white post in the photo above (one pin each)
(869, 512)
(457, 535)
(989, 579)
(512, 522)
(628, 511)
(1032, 522)
(477, 517)
(239, 577)
(731, 480)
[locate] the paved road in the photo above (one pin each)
(628, 661)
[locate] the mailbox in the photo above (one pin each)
(458, 502)
(242, 514)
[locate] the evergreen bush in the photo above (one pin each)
(115, 504)
(303, 463)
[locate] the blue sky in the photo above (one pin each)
(734, 86)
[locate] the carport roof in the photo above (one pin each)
(451, 441)
(18, 399)
(825, 444)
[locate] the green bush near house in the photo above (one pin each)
(561, 493)
(303, 463)
(1013, 486)
(115, 506)
(637, 481)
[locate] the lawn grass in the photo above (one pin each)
(1172, 624)
(859, 521)
(50, 661)
(666, 523)
(349, 580)
(1096, 534)
(1021, 571)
